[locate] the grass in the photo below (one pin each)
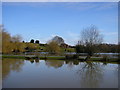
(61, 58)
(41, 57)
(62, 49)
(20, 57)
(53, 58)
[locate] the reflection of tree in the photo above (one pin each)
(54, 63)
(37, 60)
(32, 61)
(72, 63)
(76, 62)
(91, 74)
(59, 63)
(104, 63)
(11, 64)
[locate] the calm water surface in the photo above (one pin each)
(18, 73)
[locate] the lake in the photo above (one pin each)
(20, 73)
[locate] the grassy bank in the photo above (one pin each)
(41, 57)
(53, 58)
(102, 59)
(12, 56)
(59, 58)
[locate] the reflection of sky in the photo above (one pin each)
(111, 67)
(42, 76)
(111, 76)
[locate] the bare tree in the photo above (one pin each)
(16, 38)
(90, 37)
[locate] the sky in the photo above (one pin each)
(44, 20)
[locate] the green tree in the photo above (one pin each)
(6, 45)
(37, 41)
(17, 45)
(79, 48)
(10, 44)
(32, 47)
(32, 41)
(53, 48)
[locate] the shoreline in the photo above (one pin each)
(81, 58)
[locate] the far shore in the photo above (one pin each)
(81, 58)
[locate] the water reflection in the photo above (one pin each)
(72, 62)
(37, 60)
(40, 73)
(60, 63)
(11, 64)
(91, 74)
(104, 63)
(34, 61)
(54, 63)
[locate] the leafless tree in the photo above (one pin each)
(16, 38)
(90, 37)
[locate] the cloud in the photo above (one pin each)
(71, 34)
(71, 41)
(111, 40)
(110, 33)
(110, 37)
(53, 35)
(44, 39)
(107, 6)
(71, 38)
(60, 0)
(72, 5)
(47, 39)
(92, 5)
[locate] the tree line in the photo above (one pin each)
(90, 42)
(13, 44)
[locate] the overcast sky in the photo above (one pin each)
(43, 21)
